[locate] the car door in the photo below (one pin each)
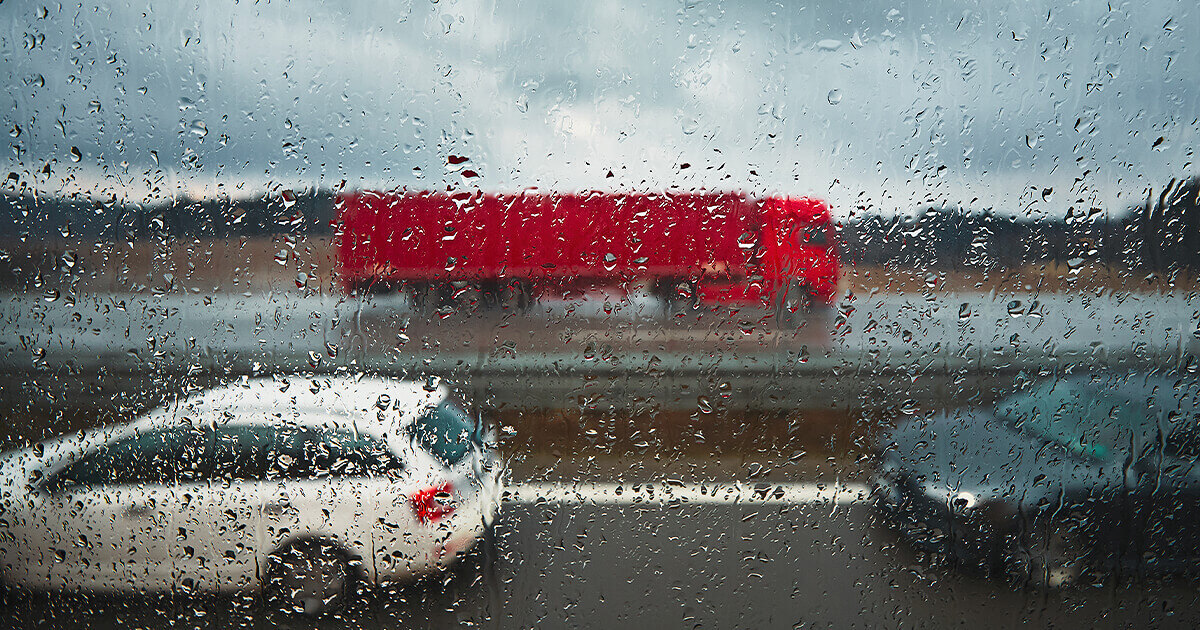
(217, 516)
(86, 537)
(1168, 506)
(328, 485)
(109, 512)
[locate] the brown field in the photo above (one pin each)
(261, 264)
(1048, 277)
(283, 263)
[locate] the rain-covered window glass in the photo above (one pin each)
(313, 454)
(666, 313)
(156, 457)
(446, 431)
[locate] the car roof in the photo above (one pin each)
(296, 400)
(1164, 393)
(319, 401)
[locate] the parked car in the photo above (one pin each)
(1072, 479)
(301, 486)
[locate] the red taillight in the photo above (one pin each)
(433, 504)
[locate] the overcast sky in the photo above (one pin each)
(888, 105)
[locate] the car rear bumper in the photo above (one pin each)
(438, 545)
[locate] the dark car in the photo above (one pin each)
(1071, 479)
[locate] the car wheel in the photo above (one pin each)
(309, 577)
(1046, 560)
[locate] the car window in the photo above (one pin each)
(1085, 420)
(242, 453)
(307, 453)
(1184, 442)
(156, 457)
(446, 431)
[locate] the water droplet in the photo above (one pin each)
(76, 156)
(834, 97)
(198, 128)
(829, 44)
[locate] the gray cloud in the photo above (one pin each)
(883, 104)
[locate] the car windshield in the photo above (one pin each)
(446, 431)
(1084, 420)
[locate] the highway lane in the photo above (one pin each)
(804, 558)
(631, 346)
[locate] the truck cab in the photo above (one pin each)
(799, 250)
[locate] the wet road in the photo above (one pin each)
(817, 562)
(938, 331)
(644, 387)
(620, 349)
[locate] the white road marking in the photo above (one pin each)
(672, 493)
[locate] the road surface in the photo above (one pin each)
(669, 556)
(621, 349)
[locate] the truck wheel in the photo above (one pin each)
(678, 296)
(516, 295)
(419, 297)
(791, 304)
(491, 295)
(443, 296)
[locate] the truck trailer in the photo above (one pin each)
(507, 249)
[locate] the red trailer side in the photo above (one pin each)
(719, 246)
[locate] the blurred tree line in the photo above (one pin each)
(1161, 234)
(287, 212)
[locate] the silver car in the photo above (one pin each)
(301, 486)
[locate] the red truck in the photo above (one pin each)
(507, 248)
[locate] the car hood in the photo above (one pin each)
(977, 452)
